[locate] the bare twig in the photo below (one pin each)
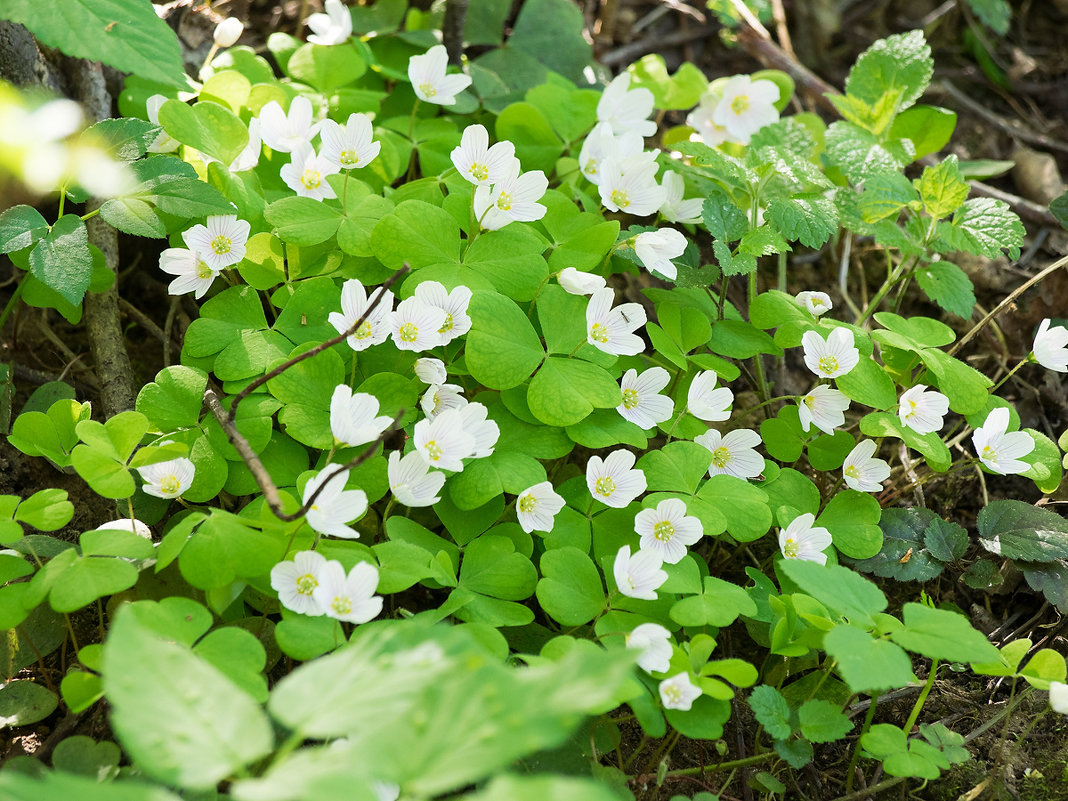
(145, 321)
(778, 13)
(998, 121)
(629, 52)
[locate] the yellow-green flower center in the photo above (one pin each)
(599, 333)
(409, 332)
(630, 398)
(480, 172)
(663, 531)
(828, 364)
(990, 454)
(311, 178)
(672, 694)
(620, 198)
(790, 548)
(810, 401)
(504, 201)
(447, 325)
(721, 456)
(221, 244)
(852, 471)
(527, 503)
(306, 584)
(348, 158)
(203, 270)
(170, 485)
(427, 89)
(434, 451)
(363, 331)
(604, 486)
(591, 167)
(740, 104)
(342, 605)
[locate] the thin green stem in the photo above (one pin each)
(877, 298)
(91, 214)
(758, 360)
(62, 201)
(915, 714)
(13, 301)
(782, 271)
(759, 406)
(852, 769)
(1010, 374)
(729, 765)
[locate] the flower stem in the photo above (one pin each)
(852, 769)
(1011, 373)
(758, 359)
(876, 299)
(923, 697)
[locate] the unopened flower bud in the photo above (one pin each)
(228, 32)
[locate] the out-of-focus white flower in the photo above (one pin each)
(194, 274)
(454, 304)
(248, 158)
(922, 411)
(353, 419)
(612, 329)
(642, 404)
(824, 407)
(625, 109)
(638, 576)
(514, 198)
(577, 282)
(444, 442)
(306, 174)
(801, 540)
(1058, 697)
(332, 28)
(536, 507)
(705, 402)
(700, 119)
(431, 84)
(354, 304)
(440, 397)
(862, 471)
(667, 530)
(349, 598)
(629, 185)
(335, 506)
(831, 357)
(479, 163)
(746, 107)
(220, 241)
(133, 525)
(679, 692)
(411, 481)
(657, 248)
(815, 302)
(228, 32)
(1049, 348)
(164, 142)
(614, 481)
(600, 145)
(415, 325)
(999, 449)
(674, 208)
(295, 582)
(474, 417)
(284, 132)
(430, 370)
(733, 453)
(654, 642)
(167, 479)
(349, 146)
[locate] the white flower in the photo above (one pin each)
(440, 397)
(332, 28)
(746, 106)
(514, 197)
(283, 132)
(479, 163)
(454, 304)
(642, 404)
(625, 109)
(612, 329)
(657, 248)
(679, 692)
(443, 442)
(484, 432)
(536, 507)
(248, 158)
(430, 370)
(1049, 348)
(431, 84)
(1058, 697)
(862, 471)
(349, 146)
(700, 119)
(802, 540)
(221, 241)
(350, 598)
(411, 482)
(922, 411)
(415, 324)
(295, 582)
(612, 481)
(823, 406)
(354, 304)
(167, 479)
(352, 417)
(816, 302)
(707, 403)
(335, 506)
(831, 357)
(228, 32)
(133, 525)
(194, 274)
(630, 185)
(576, 282)
(674, 208)
(667, 530)
(638, 576)
(654, 642)
(998, 450)
(733, 453)
(164, 142)
(306, 174)
(601, 145)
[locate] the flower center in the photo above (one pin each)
(810, 401)
(989, 454)
(599, 332)
(203, 270)
(591, 167)
(672, 693)
(852, 471)
(221, 244)
(447, 325)
(311, 178)
(663, 531)
(170, 484)
(604, 486)
(363, 331)
(740, 104)
(721, 456)
(342, 605)
(504, 201)
(790, 549)
(349, 158)
(828, 364)
(434, 451)
(630, 398)
(306, 584)
(817, 302)
(620, 198)
(409, 332)
(527, 503)
(480, 172)
(428, 89)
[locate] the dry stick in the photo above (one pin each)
(629, 52)
(998, 121)
(778, 13)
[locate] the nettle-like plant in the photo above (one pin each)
(412, 395)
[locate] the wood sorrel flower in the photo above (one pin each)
(745, 107)
(415, 325)
(624, 109)
(667, 530)
(443, 442)
(478, 162)
(194, 274)
(483, 431)
(354, 304)
(1049, 349)
(674, 208)
(169, 479)
(349, 146)
(733, 453)
(831, 357)
(997, 448)
(815, 302)
(353, 419)
(430, 370)
(513, 198)
(348, 597)
(306, 174)
(642, 405)
(612, 329)
(284, 132)
(332, 28)
(440, 397)
(922, 411)
(629, 185)
(431, 84)
(335, 506)
(536, 507)
(612, 481)
(600, 145)
(638, 576)
(801, 540)
(824, 407)
(220, 241)
(576, 282)
(295, 582)
(656, 249)
(654, 642)
(862, 471)
(705, 402)
(679, 692)
(454, 304)
(411, 481)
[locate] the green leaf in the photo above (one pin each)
(945, 541)
(883, 424)
(899, 66)
(949, 286)
(23, 702)
(502, 347)
(942, 189)
(20, 227)
(492, 567)
(965, 386)
(209, 127)
(736, 339)
(940, 634)
(984, 226)
(89, 578)
(823, 722)
(418, 234)
(125, 139)
(1018, 530)
(536, 144)
(903, 539)
(677, 467)
(920, 331)
(604, 428)
(47, 510)
(510, 258)
(837, 588)
(929, 128)
(719, 604)
(852, 517)
(771, 711)
(995, 14)
(62, 260)
(749, 515)
(566, 391)
(1051, 579)
(302, 220)
(483, 479)
(867, 665)
(83, 755)
(159, 692)
(859, 153)
(869, 384)
(326, 67)
(174, 399)
(808, 219)
(550, 31)
(884, 195)
(126, 34)
(239, 656)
